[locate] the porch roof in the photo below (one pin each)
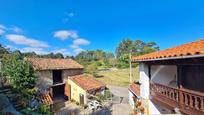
(87, 83)
(135, 88)
(46, 99)
(189, 50)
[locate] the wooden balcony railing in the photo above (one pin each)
(186, 100)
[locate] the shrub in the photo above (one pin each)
(77, 103)
(42, 109)
(72, 100)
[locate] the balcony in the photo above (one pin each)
(188, 101)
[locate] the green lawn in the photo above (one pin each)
(118, 77)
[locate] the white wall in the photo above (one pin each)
(164, 74)
(131, 101)
(144, 80)
(153, 109)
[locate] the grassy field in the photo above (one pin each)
(118, 77)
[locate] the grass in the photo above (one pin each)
(118, 77)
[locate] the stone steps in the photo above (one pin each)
(8, 92)
(4, 90)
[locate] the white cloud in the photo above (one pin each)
(67, 17)
(3, 27)
(71, 14)
(16, 29)
(65, 34)
(2, 32)
(23, 40)
(81, 41)
(78, 50)
(63, 51)
(11, 48)
(73, 46)
(36, 50)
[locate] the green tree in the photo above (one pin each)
(137, 47)
(3, 51)
(20, 73)
(59, 55)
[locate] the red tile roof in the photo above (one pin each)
(50, 64)
(135, 88)
(189, 49)
(46, 99)
(87, 83)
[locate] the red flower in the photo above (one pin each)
(142, 110)
(139, 103)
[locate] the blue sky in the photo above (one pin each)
(70, 26)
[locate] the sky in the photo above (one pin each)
(71, 26)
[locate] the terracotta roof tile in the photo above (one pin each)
(135, 88)
(189, 49)
(86, 82)
(46, 99)
(50, 64)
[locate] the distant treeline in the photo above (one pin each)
(98, 59)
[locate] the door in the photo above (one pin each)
(81, 98)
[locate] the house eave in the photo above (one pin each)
(134, 92)
(169, 58)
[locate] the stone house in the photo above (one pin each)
(52, 75)
(62, 79)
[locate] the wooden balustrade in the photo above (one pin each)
(192, 99)
(168, 92)
(185, 99)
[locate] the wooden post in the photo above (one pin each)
(179, 77)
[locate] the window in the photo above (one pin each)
(57, 76)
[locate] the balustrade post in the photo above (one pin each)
(196, 102)
(180, 96)
(202, 104)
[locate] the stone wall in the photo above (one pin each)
(70, 72)
(45, 79)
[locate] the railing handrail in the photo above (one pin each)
(166, 86)
(184, 97)
(197, 93)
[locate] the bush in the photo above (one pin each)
(72, 100)
(102, 97)
(122, 65)
(77, 103)
(40, 110)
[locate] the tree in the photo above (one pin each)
(124, 47)
(3, 51)
(20, 73)
(18, 54)
(137, 47)
(59, 55)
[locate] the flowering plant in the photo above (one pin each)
(138, 106)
